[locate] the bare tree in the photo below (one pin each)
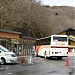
(33, 19)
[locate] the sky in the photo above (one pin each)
(58, 2)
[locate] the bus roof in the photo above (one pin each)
(50, 36)
(60, 35)
(43, 38)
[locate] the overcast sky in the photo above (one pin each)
(59, 2)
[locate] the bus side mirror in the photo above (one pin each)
(0, 51)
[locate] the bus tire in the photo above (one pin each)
(50, 57)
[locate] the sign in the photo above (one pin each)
(60, 44)
(15, 41)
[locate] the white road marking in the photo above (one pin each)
(9, 73)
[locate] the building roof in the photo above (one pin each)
(8, 31)
(71, 38)
(28, 37)
(64, 30)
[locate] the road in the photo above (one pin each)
(40, 67)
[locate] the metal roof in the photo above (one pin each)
(28, 37)
(9, 31)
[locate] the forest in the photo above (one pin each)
(33, 19)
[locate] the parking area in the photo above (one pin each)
(40, 66)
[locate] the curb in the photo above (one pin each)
(22, 59)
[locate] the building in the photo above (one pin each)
(71, 37)
(14, 41)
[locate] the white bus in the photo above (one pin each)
(52, 46)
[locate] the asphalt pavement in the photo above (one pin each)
(40, 66)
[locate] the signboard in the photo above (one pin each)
(15, 41)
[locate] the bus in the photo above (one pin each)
(52, 46)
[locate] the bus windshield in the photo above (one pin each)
(59, 39)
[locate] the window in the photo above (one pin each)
(56, 39)
(45, 41)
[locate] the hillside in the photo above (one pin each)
(34, 20)
(60, 19)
